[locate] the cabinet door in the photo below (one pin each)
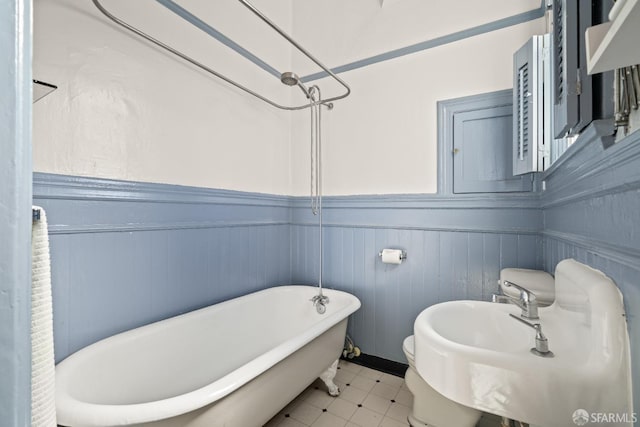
(573, 98)
(528, 103)
(565, 66)
(482, 151)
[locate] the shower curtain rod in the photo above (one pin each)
(260, 15)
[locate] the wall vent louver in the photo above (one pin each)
(558, 48)
(523, 110)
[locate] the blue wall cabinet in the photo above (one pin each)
(481, 145)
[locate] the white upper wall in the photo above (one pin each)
(382, 139)
(125, 109)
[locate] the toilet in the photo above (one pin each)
(430, 408)
(541, 283)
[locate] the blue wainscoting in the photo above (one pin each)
(456, 246)
(125, 254)
(591, 211)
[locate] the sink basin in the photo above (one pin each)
(474, 353)
(491, 329)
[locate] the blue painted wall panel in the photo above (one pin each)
(475, 266)
(159, 274)
(441, 266)
(106, 294)
(456, 246)
(491, 257)
(106, 283)
(590, 213)
(126, 254)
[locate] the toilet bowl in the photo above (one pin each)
(541, 283)
(430, 408)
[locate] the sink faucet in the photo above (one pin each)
(526, 301)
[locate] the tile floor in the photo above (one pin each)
(368, 398)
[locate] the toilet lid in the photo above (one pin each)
(539, 282)
(408, 346)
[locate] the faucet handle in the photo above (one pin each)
(542, 343)
(502, 299)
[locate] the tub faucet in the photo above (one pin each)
(526, 301)
(320, 302)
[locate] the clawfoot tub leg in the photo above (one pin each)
(328, 376)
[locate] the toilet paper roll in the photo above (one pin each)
(391, 256)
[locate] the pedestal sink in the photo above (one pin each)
(474, 353)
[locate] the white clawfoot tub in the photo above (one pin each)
(232, 364)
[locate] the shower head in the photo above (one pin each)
(291, 79)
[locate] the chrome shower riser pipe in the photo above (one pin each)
(316, 186)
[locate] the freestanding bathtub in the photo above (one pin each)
(233, 364)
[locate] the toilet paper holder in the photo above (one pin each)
(403, 254)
